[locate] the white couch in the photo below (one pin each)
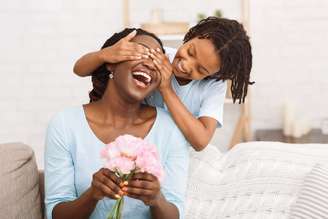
(253, 180)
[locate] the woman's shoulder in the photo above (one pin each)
(66, 116)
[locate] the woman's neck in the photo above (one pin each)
(115, 110)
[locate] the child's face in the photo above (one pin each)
(196, 59)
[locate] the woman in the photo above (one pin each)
(76, 184)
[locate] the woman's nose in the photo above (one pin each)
(149, 64)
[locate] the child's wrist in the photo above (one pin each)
(100, 55)
(165, 90)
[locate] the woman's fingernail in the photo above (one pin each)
(117, 196)
(124, 189)
(126, 183)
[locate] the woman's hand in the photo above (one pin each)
(124, 50)
(106, 184)
(145, 187)
(164, 66)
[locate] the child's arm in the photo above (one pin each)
(198, 131)
(123, 50)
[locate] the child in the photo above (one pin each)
(214, 50)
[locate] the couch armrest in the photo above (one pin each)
(41, 187)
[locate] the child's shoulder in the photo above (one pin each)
(210, 85)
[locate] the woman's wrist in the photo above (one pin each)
(158, 201)
(92, 195)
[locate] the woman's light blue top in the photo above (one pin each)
(72, 156)
(203, 98)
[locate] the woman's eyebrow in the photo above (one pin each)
(144, 45)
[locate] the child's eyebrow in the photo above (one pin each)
(197, 59)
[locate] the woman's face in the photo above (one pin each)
(137, 79)
(196, 59)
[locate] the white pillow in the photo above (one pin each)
(204, 175)
(312, 201)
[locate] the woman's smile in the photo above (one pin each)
(143, 76)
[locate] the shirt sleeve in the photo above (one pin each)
(174, 184)
(59, 169)
(212, 101)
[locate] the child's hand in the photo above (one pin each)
(164, 66)
(124, 50)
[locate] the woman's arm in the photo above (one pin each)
(197, 131)
(79, 208)
(61, 199)
(123, 50)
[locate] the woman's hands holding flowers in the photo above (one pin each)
(145, 187)
(106, 184)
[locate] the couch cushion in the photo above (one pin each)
(204, 175)
(19, 182)
(312, 201)
(253, 180)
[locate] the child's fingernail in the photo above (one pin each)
(158, 50)
(145, 56)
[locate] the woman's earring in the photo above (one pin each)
(111, 76)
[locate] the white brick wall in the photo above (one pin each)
(41, 39)
(290, 60)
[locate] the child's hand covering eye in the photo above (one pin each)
(164, 67)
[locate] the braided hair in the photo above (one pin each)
(100, 76)
(232, 44)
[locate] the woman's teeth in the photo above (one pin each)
(144, 77)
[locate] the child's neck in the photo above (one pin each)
(182, 81)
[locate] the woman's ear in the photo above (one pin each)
(111, 67)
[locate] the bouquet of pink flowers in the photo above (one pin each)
(128, 155)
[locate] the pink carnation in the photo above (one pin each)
(128, 153)
(123, 165)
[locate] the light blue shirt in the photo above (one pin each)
(72, 156)
(201, 97)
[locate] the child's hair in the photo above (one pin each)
(101, 75)
(232, 43)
